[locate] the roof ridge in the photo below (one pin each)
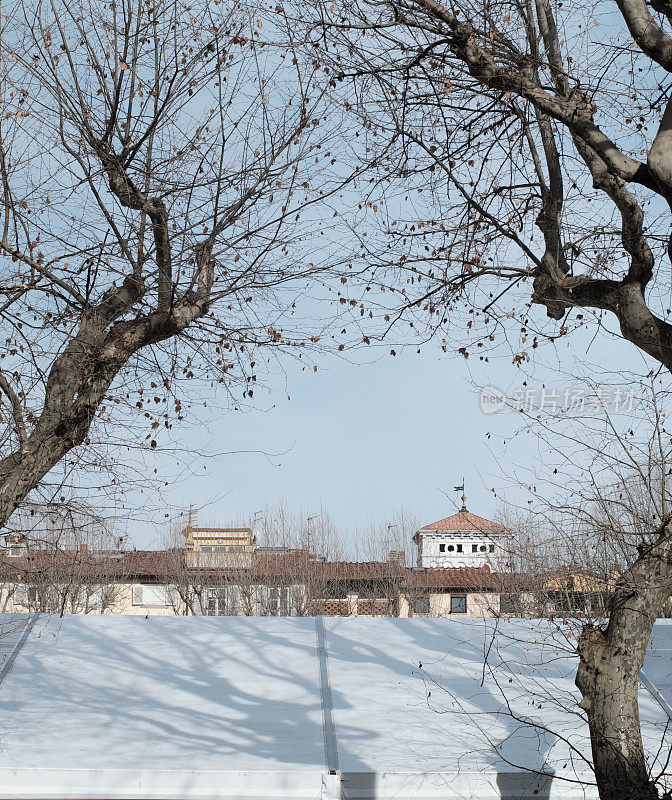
(456, 522)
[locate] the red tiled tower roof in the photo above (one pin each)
(465, 521)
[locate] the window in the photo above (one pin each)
(507, 604)
(223, 601)
(421, 605)
(152, 596)
(451, 548)
(458, 604)
(442, 548)
(276, 596)
(483, 548)
(274, 601)
(25, 595)
(459, 548)
(492, 548)
(474, 548)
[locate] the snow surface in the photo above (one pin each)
(167, 708)
(414, 696)
(658, 663)
(130, 694)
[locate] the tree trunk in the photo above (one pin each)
(608, 673)
(78, 381)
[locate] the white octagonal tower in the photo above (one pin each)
(463, 540)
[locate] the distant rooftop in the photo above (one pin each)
(464, 521)
(214, 530)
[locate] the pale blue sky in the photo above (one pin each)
(364, 440)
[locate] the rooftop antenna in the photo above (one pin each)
(308, 521)
(257, 515)
(464, 497)
(388, 540)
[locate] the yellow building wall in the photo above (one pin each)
(121, 603)
(479, 604)
(483, 604)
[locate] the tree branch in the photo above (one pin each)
(575, 111)
(131, 197)
(17, 411)
(646, 32)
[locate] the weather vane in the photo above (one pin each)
(464, 497)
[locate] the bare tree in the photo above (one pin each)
(392, 537)
(310, 529)
(550, 573)
(600, 507)
(520, 156)
(154, 163)
(60, 563)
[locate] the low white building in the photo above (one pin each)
(462, 540)
(231, 708)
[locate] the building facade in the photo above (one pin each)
(462, 540)
(460, 572)
(290, 583)
(227, 548)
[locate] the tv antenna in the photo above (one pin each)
(308, 521)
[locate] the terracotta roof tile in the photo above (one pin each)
(292, 566)
(109, 565)
(478, 578)
(464, 521)
(289, 564)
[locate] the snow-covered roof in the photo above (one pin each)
(232, 707)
